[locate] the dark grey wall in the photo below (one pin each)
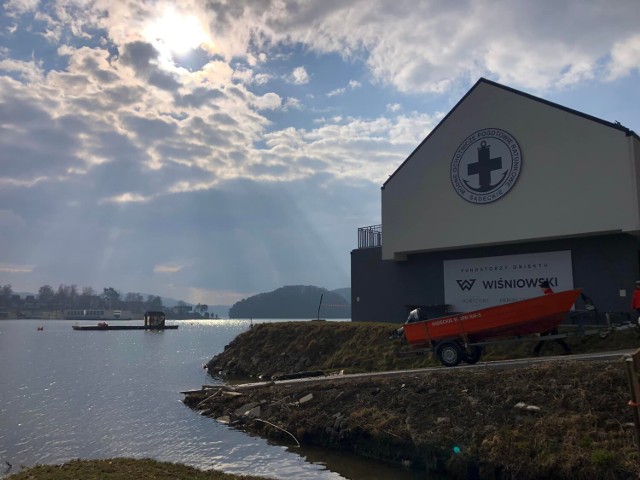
(381, 290)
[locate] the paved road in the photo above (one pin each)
(497, 365)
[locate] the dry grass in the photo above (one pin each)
(289, 347)
(461, 422)
(464, 422)
(122, 469)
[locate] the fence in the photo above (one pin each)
(369, 237)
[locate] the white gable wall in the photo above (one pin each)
(578, 177)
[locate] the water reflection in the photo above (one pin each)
(357, 468)
(67, 394)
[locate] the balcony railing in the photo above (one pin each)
(369, 237)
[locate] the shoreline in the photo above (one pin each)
(545, 421)
(563, 420)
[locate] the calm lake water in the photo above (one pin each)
(67, 394)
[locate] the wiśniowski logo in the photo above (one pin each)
(466, 284)
(486, 165)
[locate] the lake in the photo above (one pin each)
(68, 394)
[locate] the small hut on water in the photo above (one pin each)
(154, 319)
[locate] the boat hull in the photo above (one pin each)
(534, 315)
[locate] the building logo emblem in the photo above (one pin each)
(486, 165)
(466, 284)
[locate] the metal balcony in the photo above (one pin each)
(369, 237)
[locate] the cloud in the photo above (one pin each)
(350, 150)
(558, 45)
(16, 268)
(353, 84)
(125, 198)
(337, 91)
(299, 76)
(144, 59)
(268, 101)
(292, 103)
(167, 268)
(531, 44)
(15, 8)
(262, 78)
(625, 57)
(25, 71)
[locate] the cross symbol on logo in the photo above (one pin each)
(482, 177)
(483, 168)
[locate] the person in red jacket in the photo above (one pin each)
(546, 289)
(635, 302)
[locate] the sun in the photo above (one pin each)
(176, 32)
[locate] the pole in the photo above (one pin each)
(320, 304)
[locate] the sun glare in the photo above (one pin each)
(176, 32)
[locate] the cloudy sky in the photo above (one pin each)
(210, 150)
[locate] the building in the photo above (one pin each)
(508, 189)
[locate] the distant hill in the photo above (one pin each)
(297, 301)
(222, 311)
(344, 292)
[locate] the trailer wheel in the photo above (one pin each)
(472, 355)
(450, 354)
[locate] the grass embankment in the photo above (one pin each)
(122, 469)
(564, 420)
(281, 348)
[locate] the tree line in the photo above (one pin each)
(68, 297)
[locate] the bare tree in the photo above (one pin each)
(5, 294)
(133, 301)
(46, 296)
(111, 297)
(154, 303)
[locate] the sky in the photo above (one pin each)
(210, 150)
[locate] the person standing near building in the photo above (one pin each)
(546, 289)
(414, 316)
(635, 301)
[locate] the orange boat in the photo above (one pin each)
(452, 337)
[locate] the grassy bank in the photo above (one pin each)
(280, 348)
(122, 469)
(564, 420)
(553, 420)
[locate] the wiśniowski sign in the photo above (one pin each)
(475, 283)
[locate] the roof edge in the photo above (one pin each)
(434, 130)
(618, 126)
